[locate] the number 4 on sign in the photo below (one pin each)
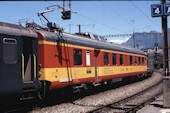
(157, 11)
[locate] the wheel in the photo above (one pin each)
(42, 92)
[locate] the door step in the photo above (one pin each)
(27, 98)
(28, 93)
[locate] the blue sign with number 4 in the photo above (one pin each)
(156, 10)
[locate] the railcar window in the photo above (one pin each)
(96, 37)
(142, 60)
(139, 60)
(121, 59)
(106, 58)
(9, 50)
(88, 58)
(131, 61)
(114, 59)
(102, 38)
(77, 57)
(135, 60)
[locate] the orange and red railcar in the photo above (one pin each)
(67, 59)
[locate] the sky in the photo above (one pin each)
(99, 17)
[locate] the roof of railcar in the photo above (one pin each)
(83, 41)
(12, 29)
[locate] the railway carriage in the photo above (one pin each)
(67, 59)
(18, 62)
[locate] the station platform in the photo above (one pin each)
(155, 107)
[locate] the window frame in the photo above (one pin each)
(121, 59)
(74, 58)
(143, 61)
(7, 41)
(114, 61)
(139, 60)
(101, 38)
(104, 60)
(96, 37)
(135, 60)
(88, 64)
(131, 60)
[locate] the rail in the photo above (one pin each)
(128, 108)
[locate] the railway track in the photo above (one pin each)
(128, 105)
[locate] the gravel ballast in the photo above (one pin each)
(91, 102)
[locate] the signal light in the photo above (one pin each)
(66, 15)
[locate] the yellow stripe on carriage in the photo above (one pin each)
(55, 74)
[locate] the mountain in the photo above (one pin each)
(147, 40)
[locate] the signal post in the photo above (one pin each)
(163, 10)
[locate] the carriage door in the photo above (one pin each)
(96, 53)
(27, 60)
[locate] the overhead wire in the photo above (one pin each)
(90, 18)
(30, 11)
(142, 28)
(77, 14)
(144, 14)
(19, 7)
(87, 26)
(6, 19)
(95, 21)
(124, 19)
(99, 22)
(113, 11)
